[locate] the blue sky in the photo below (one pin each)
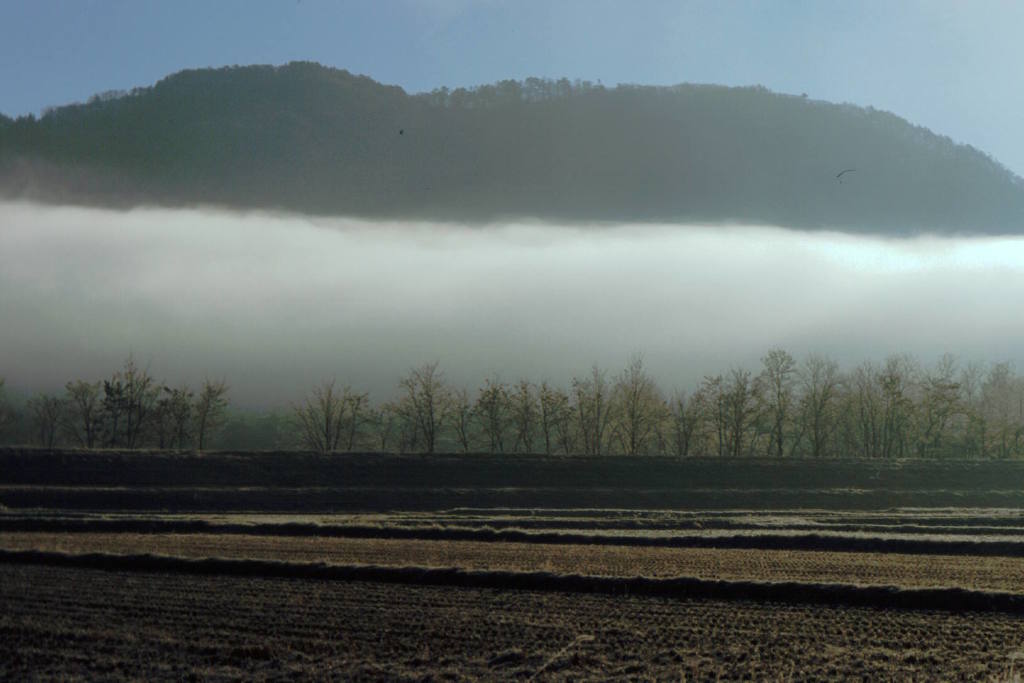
(954, 67)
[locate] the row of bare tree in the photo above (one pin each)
(128, 410)
(787, 408)
(895, 409)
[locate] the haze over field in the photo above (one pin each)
(276, 303)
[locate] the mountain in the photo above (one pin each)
(308, 138)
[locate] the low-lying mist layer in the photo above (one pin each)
(277, 303)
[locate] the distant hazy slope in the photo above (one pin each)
(307, 138)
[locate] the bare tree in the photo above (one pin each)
(568, 436)
(684, 414)
(739, 399)
(356, 416)
(83, 417)
(898, 379)
(492, 412)
(777, 379)
(210, 408)
(941, 403)
(47, 416)
(592, 404)
(426, 402)
(320, 417)
(880, 407)
(129, 401)
(864, 410)
(1001, 405)
(6, 414)
(523, 403)
(141, 395)
(710, 401)
(555, 420)
(461, 412)
(408, 430)
(386, 422)
(114, 408)
(639, 408)
(821, 385)
(174, 417)
(971, 379)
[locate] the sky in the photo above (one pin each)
(276, 304)
(952, 66)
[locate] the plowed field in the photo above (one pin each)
(80, 623)
(980, 573)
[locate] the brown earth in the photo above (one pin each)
(978, 573)
(80, 623)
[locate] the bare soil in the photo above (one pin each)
(907, 571)
(87, 624)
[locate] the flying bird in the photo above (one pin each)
(839, 176)
(401, 131)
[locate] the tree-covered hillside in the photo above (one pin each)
(309, 138)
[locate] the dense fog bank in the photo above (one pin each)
(276, 303)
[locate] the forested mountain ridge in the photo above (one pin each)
(303, 137)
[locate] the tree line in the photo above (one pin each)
(128, 410)
(785, 408)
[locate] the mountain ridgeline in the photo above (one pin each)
(307, 138)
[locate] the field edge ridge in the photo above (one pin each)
(834, 594)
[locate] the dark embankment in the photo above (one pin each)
(284, 481)
(760, 541)
(542, 521)
(36, 467)
(951, 599)
(309, 500)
